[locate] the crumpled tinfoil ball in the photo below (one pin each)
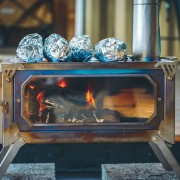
(81, 48)
(110, 49)
(30, 48)
(56, 49)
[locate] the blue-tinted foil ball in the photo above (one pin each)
(110, 50)
(81, 48)
(30, 48)
(56, 49)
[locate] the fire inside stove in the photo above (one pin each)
(57, 99)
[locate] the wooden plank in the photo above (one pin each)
(9, 13)
(92, 20)
(177, 138)
(123, 28)
(131, 104)
(26, 3)
(71, 20)
(60, 17)
(169, 28)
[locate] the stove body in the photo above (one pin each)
(88, 103)
(94, 102)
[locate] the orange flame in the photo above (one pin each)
(89, 97)
(62, 83)
(40, 97)
(31, 86)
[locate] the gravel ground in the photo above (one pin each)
(148, 171)
(30, 172)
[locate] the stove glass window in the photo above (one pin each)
(57, 99)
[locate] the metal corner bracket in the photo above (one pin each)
(9, 70)
(13, 134)
(169, 68)
(166, 132)
(9, 151)
(164, 154)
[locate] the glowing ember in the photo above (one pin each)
(31, 86)
(62, 83)
(40, 98)
(89, 97)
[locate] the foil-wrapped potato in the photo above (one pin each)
(81, 48)
(56, 49)
(110, 50)
(30, 48)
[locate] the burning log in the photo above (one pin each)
(62, 100)
(82, 116)
(62, 105)
(33, 105)
(94, 116)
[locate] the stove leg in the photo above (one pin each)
(7, 155)
(164, 155)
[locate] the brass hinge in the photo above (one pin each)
(9, 71)
(5, 107)
(169, 68)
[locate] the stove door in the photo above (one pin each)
(115, 101)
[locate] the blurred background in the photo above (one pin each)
(99, 19)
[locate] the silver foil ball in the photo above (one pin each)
(81, 48)
(110, 49)
(30, 48)
(56, 49)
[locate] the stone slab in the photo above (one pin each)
(39, 171)
(138, 171)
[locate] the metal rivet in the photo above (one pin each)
(18, 100)
(7, 79)
(17, 134)
(160, 132)
(23, 140)
(159, 99)
(169, 78)
(154, 138)
(5, 112)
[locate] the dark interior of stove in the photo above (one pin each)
(88, 100)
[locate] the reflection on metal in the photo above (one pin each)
(8, 153)
(79, 17)
(10, 70)
(171, 58)
(169, 68)
(166, 132)
(11, 135)
(164, 155)
(146, 29)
